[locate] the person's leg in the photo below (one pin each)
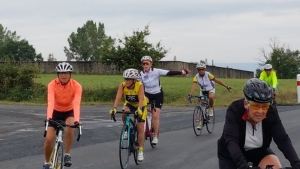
(48, 144)
(69, 135)
(269, 158)
(159, 100)
(141, 134)
(211, 97)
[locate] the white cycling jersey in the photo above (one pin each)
(151, 80)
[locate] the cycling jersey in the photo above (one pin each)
(132, 96)
(151, 81)
(271, 79)
(64, 98)
(235, 144)
(205, 81)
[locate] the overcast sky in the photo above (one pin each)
(226, 31)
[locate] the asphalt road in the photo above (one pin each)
(21, 139)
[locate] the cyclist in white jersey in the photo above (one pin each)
(153, 89)
(206, 81)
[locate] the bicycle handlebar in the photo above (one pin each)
(61, 124)
(192, 96)
(113, 117)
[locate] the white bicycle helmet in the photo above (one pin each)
(268, 66)
(64, 67)
(201, 65)
(146, 58)
(131, 74)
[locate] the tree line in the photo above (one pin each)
(90, 43)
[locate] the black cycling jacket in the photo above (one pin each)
(231, 144)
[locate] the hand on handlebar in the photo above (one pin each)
(112, 113)
(189, 96)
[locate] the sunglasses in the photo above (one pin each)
(128, 79)
(145, 63)
(259, 106)
(268, 69)
(200, 69)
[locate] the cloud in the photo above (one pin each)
(224, 31)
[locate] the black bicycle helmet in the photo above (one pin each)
(258, 91)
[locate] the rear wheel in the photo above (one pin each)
(210, 121)
(198, 121)
(124, 147)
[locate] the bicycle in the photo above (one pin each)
(201, 116)
(129, 144)
(149, 130)
(250, 166)
(57, 154)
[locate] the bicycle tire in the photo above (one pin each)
(210, 121)
(135, 145)
(197, 120)
(124, 145)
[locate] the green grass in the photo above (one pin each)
(175, 88)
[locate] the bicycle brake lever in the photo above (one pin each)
(113, 117)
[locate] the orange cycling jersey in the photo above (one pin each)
(64, 97)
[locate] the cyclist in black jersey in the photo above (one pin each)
(250, 126)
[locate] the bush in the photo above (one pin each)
(17, 84)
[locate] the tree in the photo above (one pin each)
(283, 60)
(20, 51)
(11, 47)
(131, 49)
(51, 57)
(89, 43)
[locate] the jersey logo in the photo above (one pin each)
(132, 98)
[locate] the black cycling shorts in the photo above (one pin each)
(251, 156)
(158, 97)
(57, 115)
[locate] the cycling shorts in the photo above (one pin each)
(207, 92)
(133, 109)
(61, 116)
(158, 97)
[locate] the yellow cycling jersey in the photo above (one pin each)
(132, 96)
(271, 79)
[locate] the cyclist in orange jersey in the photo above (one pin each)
(64, 97)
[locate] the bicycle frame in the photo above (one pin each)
(148, 123)
(53, 156)
(59, 139)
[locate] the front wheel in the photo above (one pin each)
(124, 147)
(210, 121)
(198, 120)
(135, 145)
(57, 157)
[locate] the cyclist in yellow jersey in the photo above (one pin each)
(135, 100)
(207, 86)
(269, 75)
